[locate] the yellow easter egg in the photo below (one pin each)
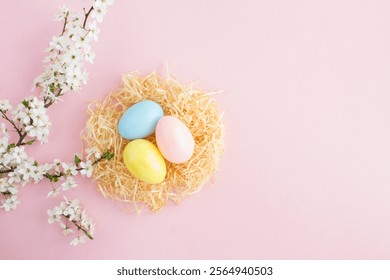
(143, 159)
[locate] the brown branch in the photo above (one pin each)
(19, 131)
(21, 138)
(65, 23)
(79, 227)
(51, 102)
(86, 16)
(6, 171)
(22, 135)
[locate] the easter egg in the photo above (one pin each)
(140, 120)
(144, 161)
(174, 139)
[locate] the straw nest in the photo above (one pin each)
(195, 108)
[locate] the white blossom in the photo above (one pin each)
(67, 53)
(3, 129)
(66, 230)
(99, 10)
(14, 156)
(78, 240)
(69, 184)
(4, 105)
(87, 168)
(69, 168)
(61, 14)
(89, 55)
(69, 213)
(10, 203)
(31, 113)
(53, 193)
(63, 72)
(93, 30)
(93, 151)
(4, 141)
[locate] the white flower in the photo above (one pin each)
(3, 146)
(103, 3)
(53, 193)
(69, 168)
(5, 106)
(87, 222)
(99, 10)
(31, 113)
(74, 203)
(67, 231)
(66, 56)
(3, 129)
(72, 57)
(93, 151)
(61, 14)
(87, 168)
(27, 170)
(78, 240)
(89, 55)
(93, 30)
(59, 43)
(53, 217)
(14, 178)
(83, 41)
(69, 184)
(3, 185)
(6, 188)
(71, 211)
(10, 203)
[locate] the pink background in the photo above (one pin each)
(306, 173)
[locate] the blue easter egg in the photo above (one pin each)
(140, 120)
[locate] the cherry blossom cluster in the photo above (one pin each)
(72, 218)
(30, 123)
(68, 52)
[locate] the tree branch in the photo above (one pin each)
(79, 227)
(19, 131)
(6, 171)
(86, 16)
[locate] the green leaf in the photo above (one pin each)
(35, 163)
(10, 146)
(54, 179)
(30, 142)
(110, 156)
(52, 87)
(77, 160)
(25, 103)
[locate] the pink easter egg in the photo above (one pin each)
(174, 139)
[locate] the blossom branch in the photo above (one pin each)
(63, 73)
(79, 227)
(86, 16)
(65, 23)
(49, 102)
(6, 171)
(4, 115)
(70, 211)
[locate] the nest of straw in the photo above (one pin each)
(196, 108)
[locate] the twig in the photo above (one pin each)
(79, 227)
(65, 23)
(6, 171)
(19, 131)
(86, 16)
(51, 102)
(21, 138)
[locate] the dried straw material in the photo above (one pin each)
(194, 107)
